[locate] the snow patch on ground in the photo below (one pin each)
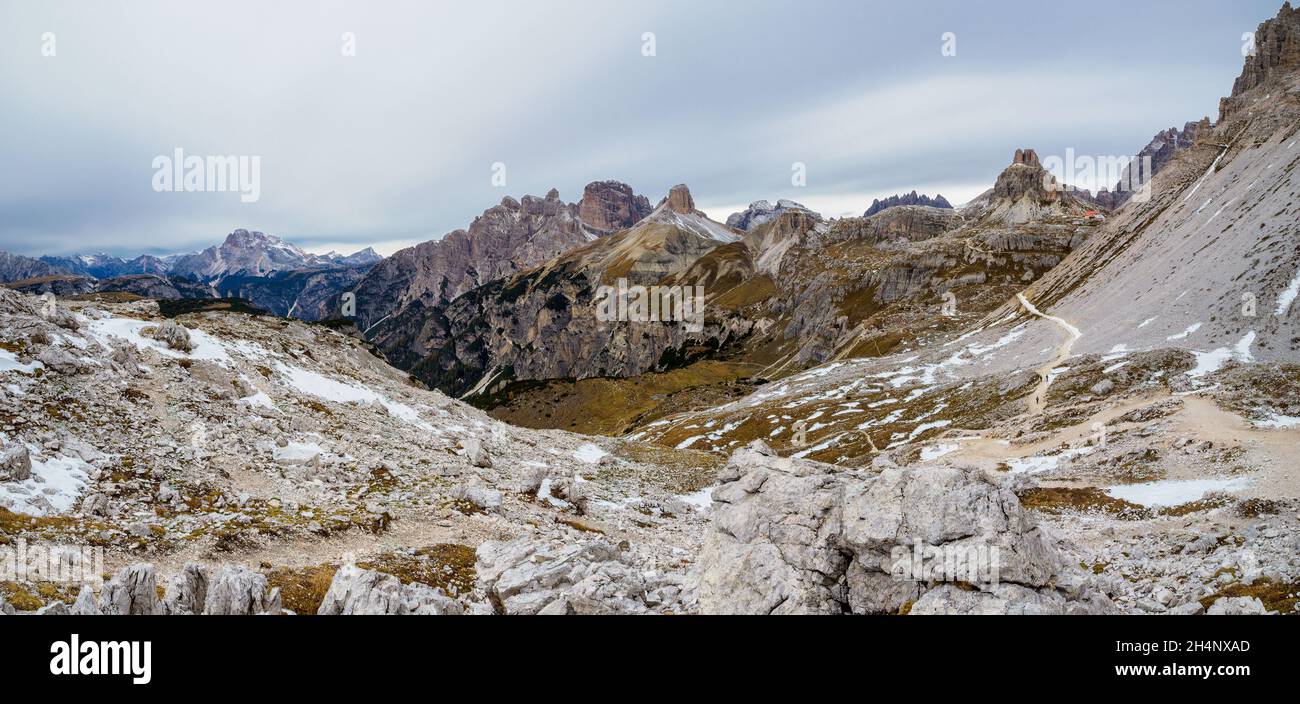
(934, 452)
(206, 347)
(702, 500)
(1043, 463)
(259, 399)
(1172, 492)
(1279, 421)
(58, 480)
(1288, 296)
(589, 453)
(10, 363)
(321, 386)
(1183, 335)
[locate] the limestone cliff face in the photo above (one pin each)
(1277, 52)
(610, 206)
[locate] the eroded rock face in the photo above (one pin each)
(509, 237)
(679, 199)
(132, 592)
(175, 336)
(761, 212)
(239, 591)
(610, 206)
(14, 267)
(798, 537)
(15, 464)
(1277, 50)
(526, 577)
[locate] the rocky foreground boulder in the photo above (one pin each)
(360, 592)
(529, 576)
(800, 537)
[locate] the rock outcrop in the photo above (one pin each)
(800, 537)
(610, 206)
(510, 237)
(1158, 152)
(15, 464)
(1277, 52)
(527, 577)
(358, 592)
(132, 592)
(679, 199)
(1026, 192)
(761, 212)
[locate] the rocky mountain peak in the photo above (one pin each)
(244, 239)
(1028, 157)
(912, 198)
(679, 199)
(1277, 49)
(608, 206)
(1026, 176)
(762, 211)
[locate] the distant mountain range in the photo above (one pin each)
(909, 199)
(263, 269)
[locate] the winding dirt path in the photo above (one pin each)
(1039, 399)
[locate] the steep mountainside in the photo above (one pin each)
(507, 238)
(14, 267)
(792, 291)
(541, 323)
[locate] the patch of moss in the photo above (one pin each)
(1057, 500)
(303, 589)
(1281, 597)
(444, 566)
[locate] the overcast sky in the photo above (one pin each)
(396, 144)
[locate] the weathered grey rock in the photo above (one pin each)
(187, 592)
(133, 591)
(355, 591)
(1103, 387)
(529, 576)
(175, 336)
(476, 452)
(5, 608)
(95, 505)
(799, 537)
(1237, 606)
(482, 497)
(238, 591)
(59, 360)
(1191, 608)
(15, 464)
(56, 608)
(85, 604)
